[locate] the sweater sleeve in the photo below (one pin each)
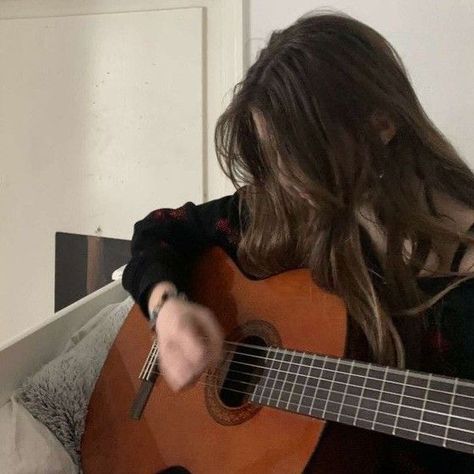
(458, 328)
(167, 241)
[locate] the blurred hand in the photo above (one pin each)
(190, 340)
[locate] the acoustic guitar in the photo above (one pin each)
(265, 407)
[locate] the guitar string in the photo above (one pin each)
(331, 371)
(377, 390)
(377, 367)
(342, 392)
(349, 405)
(312, 408)
(145, 365)
(360, 396)
(288, 402)
(150, 361)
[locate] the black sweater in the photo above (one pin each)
(166, 242)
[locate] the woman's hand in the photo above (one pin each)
(189, 340)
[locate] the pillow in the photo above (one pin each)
(28, 447)
(58, 395)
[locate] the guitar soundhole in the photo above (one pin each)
(229, 387)
(244, 371)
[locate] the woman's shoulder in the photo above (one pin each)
(454, 301)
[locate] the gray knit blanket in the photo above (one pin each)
(58, 395)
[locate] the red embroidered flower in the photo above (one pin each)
(178, 214)
(438, 342)
(223, 225)
(231, 234)
(159, 214)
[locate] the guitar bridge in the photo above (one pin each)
(148, 376)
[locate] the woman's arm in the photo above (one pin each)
(167, 241)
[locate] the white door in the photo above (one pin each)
(105, 114)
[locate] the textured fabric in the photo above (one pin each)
(58, 395)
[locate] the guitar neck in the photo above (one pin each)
(422, 407)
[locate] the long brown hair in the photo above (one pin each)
(313, 89)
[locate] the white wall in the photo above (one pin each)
(88, 142)
(434, 38)
(106, 112)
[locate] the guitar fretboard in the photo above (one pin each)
(422, 407)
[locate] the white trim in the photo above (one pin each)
(232, 40)
(50, 8)
(233, 60)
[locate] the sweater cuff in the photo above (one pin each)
(163, 268)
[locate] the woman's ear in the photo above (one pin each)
(384, 126)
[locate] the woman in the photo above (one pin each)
(338, 169)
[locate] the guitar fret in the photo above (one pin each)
(330, 390)
(352, 393)
(289, 383)
(345, 392)
(266, 376)
(327, 393)
(423, 408)
(361, 395)
(310, 388)
(380, 397)
(315, 397)
(299, 386)
(388, 402)
(426, 405)
(411, 409)
(277, 375)
(284, 369)
(368, 407)
(450, 412)
(400, 402)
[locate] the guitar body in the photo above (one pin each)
(196, 428)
